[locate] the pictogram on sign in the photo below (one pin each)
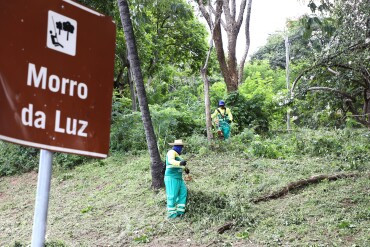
(61, 33)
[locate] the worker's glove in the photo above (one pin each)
(183, 163)
(187, 171)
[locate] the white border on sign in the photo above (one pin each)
(83, 7)
(58, 149)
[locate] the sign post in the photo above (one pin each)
(42, 198)
(56, 83)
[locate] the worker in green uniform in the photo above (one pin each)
(223, 118)
(175, 186)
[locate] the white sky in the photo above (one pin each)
(267, 17)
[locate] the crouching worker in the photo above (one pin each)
(175, 186)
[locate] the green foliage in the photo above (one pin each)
(69, 161)
(142, 239)
(266, 85)
(261, 78)
(217, 92)
(120, 104)
(197, 144)
(343, 38)
(55, 244)
(127, 131)
(248, 112)
(168, 33)
(348, 145)
(87, 209)
(170, 124)
(16, 159)
(17, 244)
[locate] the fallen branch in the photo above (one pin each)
(224, 228)
(302, 183)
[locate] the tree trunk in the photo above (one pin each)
(132, 89)
(366, 108)
(156, 163)
(247, 42)
(217, 38)
(117, 82)
(287, 74)
(207, 103)
(232, 24)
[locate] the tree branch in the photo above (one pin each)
(355, 114)
(324, 61)
(229, 19)
(345, 95)
(366, 75)
(233, 9)
(215, 13)
(204, 12)
(333, 71)
(297, 79)
(247, 41)
(164, 21)
(241, 13)
(302, 183)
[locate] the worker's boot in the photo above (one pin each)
(220, 134)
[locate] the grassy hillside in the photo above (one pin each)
(109, 203)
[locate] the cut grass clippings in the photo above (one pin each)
(110, 203)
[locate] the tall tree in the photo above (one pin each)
(169, 33)
(228, 63)
(203, 72)
(340, 70)
(156, 163)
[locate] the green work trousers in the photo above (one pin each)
(176, 196)
(225, 128)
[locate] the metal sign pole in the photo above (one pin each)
(42, 199)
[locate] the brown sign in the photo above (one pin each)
(56, 76)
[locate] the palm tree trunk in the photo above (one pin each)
(132, 89)
(156, 163)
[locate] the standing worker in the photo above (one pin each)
(223, 118)
(175, 186)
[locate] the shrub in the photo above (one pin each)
(348, 145)
(69, 160)
(247, 113)
(127, 131)
(197, 144)
(17, 159)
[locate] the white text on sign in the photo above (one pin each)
(37, 119)
(55, 84)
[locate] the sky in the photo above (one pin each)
(267, 16)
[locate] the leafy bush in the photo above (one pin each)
(127, 132)
(247, 112)
(348, 145)
(69, 160)
(17, 159)
(197, 144)
(266, 149)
